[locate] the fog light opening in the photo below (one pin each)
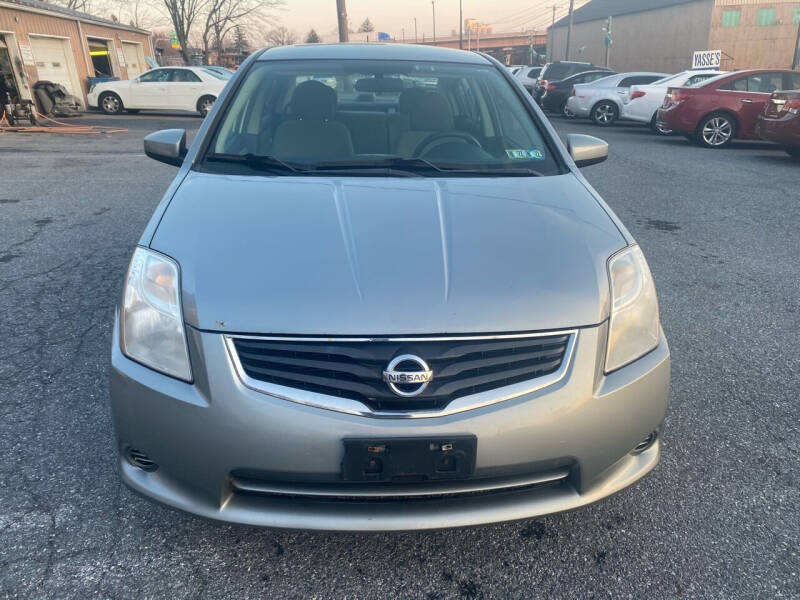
(645, 444)
(140, 460)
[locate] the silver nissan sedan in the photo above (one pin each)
(380, 295)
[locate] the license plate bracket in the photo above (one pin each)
(409, 459)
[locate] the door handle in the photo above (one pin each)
(746, 101)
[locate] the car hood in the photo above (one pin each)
(373, 256)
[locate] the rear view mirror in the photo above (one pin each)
(586, 150)
(167, 146)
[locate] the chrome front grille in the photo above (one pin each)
(352, 369)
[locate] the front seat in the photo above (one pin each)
(311, 134)
(430, 113)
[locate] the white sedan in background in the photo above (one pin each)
(602, 100)
(193, 89)
(645, 100)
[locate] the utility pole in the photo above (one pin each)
(608, 39)
(796, 59)
(569, 29)
(433, 8)
(460, 26)
(341, 13)
(416, 39)
(404, 34)
(554, 14)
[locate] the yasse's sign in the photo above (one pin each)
(707, 59)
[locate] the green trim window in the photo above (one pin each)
(767, 16)
(796, 16)
(731, 18)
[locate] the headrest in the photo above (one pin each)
(408, 98)
(431, 112)
(313, 100)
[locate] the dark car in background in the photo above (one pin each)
(780, 121)
(724, 108)
(556, 71)
(556, 93)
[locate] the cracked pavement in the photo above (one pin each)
(718, 518)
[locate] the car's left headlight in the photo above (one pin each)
(152, 330)
(634, 327)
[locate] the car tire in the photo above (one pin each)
(110, 103)
(716, 130)
(604, 113)
(204, 105)
(658, 130)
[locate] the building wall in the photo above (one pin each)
(750, 45)
(658, 40)
(22, 25)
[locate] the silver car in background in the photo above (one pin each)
(603, 100)
(379, 295)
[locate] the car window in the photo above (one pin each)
(534, 73)
(793, 82)
(696, 79)
(589, 77)
(155, 76)
(183, 76)
(637, 80)
(360, 114)
(762, 83)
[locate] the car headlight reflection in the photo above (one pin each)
(634, 327)
(152, 330)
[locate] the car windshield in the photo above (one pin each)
(220, 73)
(367, 117)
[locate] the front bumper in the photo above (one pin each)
(205, 436)
(91, 98)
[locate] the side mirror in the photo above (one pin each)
(586, 150)
(167, 146)
(135, 80)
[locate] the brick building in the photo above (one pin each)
(42, 41)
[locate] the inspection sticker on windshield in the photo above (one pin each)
(521, 154)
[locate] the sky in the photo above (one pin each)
(392, 16)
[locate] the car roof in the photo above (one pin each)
(367, 51)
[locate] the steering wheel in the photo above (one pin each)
(436, 138)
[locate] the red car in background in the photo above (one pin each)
(780, 121)
(725, 107)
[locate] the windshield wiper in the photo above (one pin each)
(258, 161)
(424, 166)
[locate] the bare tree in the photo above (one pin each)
(223, 16)
(183, 14)
(81, 5)
(280, 36)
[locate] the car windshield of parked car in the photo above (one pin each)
(668, 79)
(367, 117)
(223, 74)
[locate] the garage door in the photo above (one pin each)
(134, 59)
(51, 61)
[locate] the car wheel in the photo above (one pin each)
(110, 103)
(605, 113)
(659, 129)
(204, 105)
(716, 130)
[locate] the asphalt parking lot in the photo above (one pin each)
(719, 517)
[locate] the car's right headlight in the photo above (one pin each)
(634, 327)
(152, 330)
